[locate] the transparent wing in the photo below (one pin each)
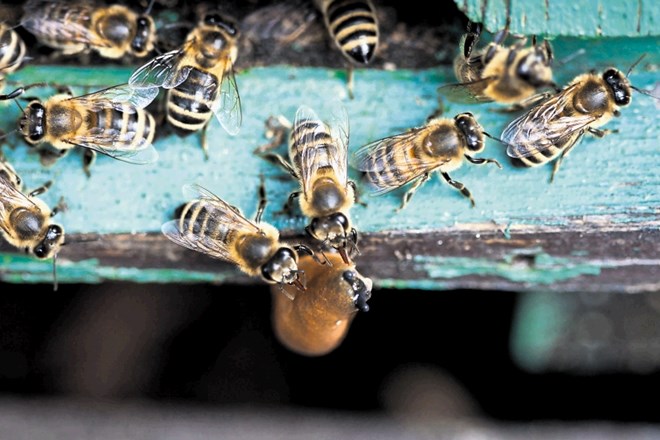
(545, 125)
(123, 98)
(166, 70)
(391, 162)
(40, 21)
(227, 107)
(118, 145)
(11, 198)
(196, 242)
(231, 213)
(339, 129)
(283, 21)
(466, 92)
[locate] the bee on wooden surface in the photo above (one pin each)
(25, 220)
(315, 321)
(440, 145)
(504, 74)
(74, 27)
(12, 52)
(553, 127)
(110, 121)
(210, 225)
(318, 159)
(199, 78)
(353, 26)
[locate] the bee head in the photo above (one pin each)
(32, 124)
(534, 68)
(222, 22)
(472, 132)
(333, 229)
(51, 242)
(619, 85)
(361, 288)
(144, 31)
(282, 267)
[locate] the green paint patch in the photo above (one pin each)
(536, 267)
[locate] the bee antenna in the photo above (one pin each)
(645, 92)
(19, 106)
(149, 7)
(55, 273)
(15, 94)
(635, 64)
(8, 133)
(496, 139)
(79, 240)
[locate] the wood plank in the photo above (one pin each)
(605, 190)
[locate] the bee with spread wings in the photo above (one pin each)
(211, 226)
(111, 121)
(552, 128)
(199, 78)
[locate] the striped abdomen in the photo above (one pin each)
(130, 130)
(311, 134)
(12, 50)
(389, 167)
(200, 219)
(353, 26)
(61, 25)
(189, 104)
(539, 157)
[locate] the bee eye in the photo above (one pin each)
(349, 276)
(40, 251)
(341, 219)
(212, 19)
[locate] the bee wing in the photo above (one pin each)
(339, 129)
(123, 98)
(222, 216)
(282, 22)
(117, 144)
(382, 156)
(39, 21)
(11, 197)
(467, 92)
(544, 125)
(162, 71)
(227, 107)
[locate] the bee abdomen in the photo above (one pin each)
(12, 51)
(54, 16)
(538, 158)
(353, 25)
(392, 168)
(198, 219)
(189, 104)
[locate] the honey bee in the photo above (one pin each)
(440, 145)
(110, 121)
(25, 220)
(199, 78)
(112, 31)
(12, 52)
(553, 127)
(315, 321)
(504, 74)
(210, 225)
(318, 159)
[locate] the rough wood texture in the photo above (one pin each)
(594, 228)
(591, 18)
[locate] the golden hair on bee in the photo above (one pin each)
(199, 78)
(505, 74)
(12, 52)
(75, 27)
(209, 225)
(550, 130)
(26, 221)
(315, 321)
(111, 121)
(441, 145)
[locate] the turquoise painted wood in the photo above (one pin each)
(590, 18)
(610, 180)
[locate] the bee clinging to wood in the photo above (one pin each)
(315, 321)
(209, 225)
(504, 74)
(12, 52)
(318, 159)
(25, 220)
(77, 27)
(199, 78)
(441, 145)
(111, 121)
(553, 127)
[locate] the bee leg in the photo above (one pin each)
(494, 46)
(61, 206)
(205, 146)
(64, 89)
(459, 186)
(42, 189)
(277, 159)
(601, 133)
(408, 195)
(287, 208)
(262, 201)
(306, 249)
(471, 39)
(555, 166)
(276, 130)
(356, 195)
(350, 81)
(482, 160)
(89, 157)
